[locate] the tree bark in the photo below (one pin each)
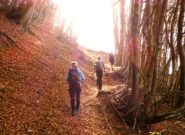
(122, 29)
(116, 35)
(135, 43)
(180, 48)
(156, 40)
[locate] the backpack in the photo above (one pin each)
(74, 76)
(99, 65)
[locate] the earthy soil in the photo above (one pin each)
(34, 96)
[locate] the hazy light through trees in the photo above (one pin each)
(91, 21)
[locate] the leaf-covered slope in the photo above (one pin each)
(33, 91)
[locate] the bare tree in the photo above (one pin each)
(180, 101)
(154, 47)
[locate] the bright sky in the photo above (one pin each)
(92, 21)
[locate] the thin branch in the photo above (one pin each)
(115, 3)
(114, 107)
(166, 116)
(9, 37)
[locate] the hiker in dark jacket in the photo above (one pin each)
(99, 68)
(74, 78)
(111, 60)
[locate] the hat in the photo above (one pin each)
(74, 62)
(99, 57)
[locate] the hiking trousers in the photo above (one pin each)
(74, 93)
(99, 75)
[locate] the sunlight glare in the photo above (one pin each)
(91, 20)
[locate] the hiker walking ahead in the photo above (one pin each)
(111, 60)
(99, 68)
(75, 76)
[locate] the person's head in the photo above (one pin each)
(99, 58)
(74, 64)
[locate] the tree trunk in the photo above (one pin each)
(122, 29)
(171, 44)
(157, 29)
(135, 42)
(180, 48)
(116, 35)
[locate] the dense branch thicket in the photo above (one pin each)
(27, 12)
(153, 58)
(17, 9)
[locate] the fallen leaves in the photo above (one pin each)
(34, 96)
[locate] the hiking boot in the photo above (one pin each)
(73, 113)
(100, 91)
(77, 109)
(98, 94)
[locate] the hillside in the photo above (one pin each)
(33, 92)
(34, 95)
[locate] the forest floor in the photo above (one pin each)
(34, 96)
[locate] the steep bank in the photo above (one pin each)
(33, 91)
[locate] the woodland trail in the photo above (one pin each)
(34, 97)
(93, 117)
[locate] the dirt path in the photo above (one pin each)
(95, 117)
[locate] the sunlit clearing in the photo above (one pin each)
(91, 21)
